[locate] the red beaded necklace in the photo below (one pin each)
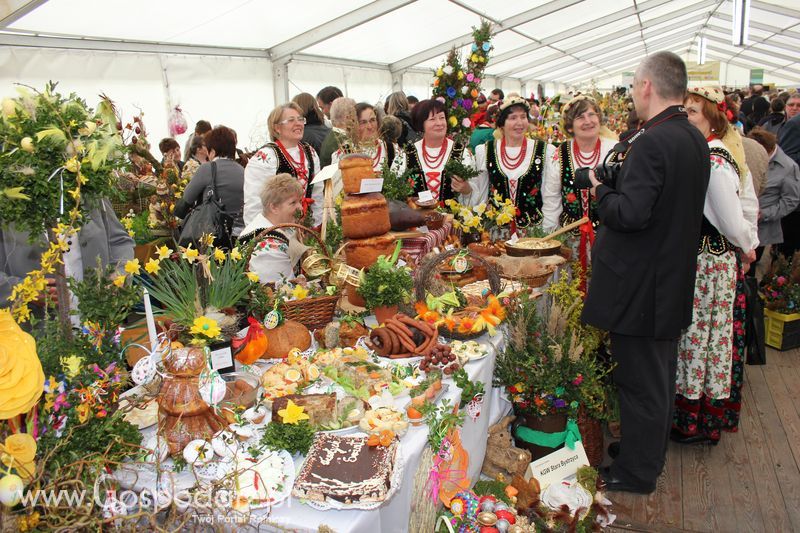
(591, 161)
(436, 160)
(509, 162)
(298, 166)
(377, 158)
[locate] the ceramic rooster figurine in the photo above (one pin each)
(252, 346)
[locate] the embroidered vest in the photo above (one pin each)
(285, 167)
(572, 203)
(711, 240)
(414, 167)
(529, 187)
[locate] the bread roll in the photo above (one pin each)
(355, 167)
(365, 215)
(361, 253)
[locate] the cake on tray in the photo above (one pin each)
(345, 469)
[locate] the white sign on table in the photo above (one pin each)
(558, 465)
(371, 185)
(425, 196)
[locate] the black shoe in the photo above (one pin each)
(680, 438)
(615, 484)
(613, 450)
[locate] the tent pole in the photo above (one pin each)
(280, 81)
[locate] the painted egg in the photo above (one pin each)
(487, 519)
(11, 490)
(502, 526)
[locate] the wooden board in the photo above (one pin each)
(782, 460)
(665, 505)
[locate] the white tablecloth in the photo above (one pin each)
(393, 515)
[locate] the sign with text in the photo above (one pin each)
(756, 76)
(708, 71)
(558, 465)
(371, 185)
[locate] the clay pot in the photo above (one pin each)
(547, 424)
(385, 312)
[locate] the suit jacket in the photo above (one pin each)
(645, 255)
(102, 236)
(780, 196)
(789, 138)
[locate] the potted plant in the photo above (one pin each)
(551, 374)
(780, 289)
(199, 289)
(386, 285)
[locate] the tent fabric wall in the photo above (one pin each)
(360, 84)
(236, 92)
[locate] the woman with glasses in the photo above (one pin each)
(428, 157)
(563, 203)
(285, 154)
(365, 139)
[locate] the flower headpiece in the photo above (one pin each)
(714, 95)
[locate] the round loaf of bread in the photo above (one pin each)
(365, 215)
(362, 253)
(355, 167)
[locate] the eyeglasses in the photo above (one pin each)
(293, 120)
(372, 120)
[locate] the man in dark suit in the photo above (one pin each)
(643, 265)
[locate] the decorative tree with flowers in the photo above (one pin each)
(59, 159)
(458, 86)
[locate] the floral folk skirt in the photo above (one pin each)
(708, 416)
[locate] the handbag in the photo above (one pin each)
(209, 217)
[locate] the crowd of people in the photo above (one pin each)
(711, 180)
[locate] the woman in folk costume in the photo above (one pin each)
(706, 348)
(285, 154)
(511, 165)
(428, 157)
(588, 145)
(276, 255)
(366, 140)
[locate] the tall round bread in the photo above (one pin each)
(355, 167)
(365, 215)
(282, 339)
(362, 253)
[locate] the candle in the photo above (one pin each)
(151, 323)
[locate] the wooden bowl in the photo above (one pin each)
(434, 220)
(519, 249)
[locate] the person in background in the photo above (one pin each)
(428, 157)
(170, 152)
(221, 144)
(286, 154)
(643, 266)
(511, 166)
(316, 130)
(201, 128)
(397, 105)
(366, 139)
(496, 96)
(485, 124)
(277, 254)
(774, 121)
(761, 107)
(780, 195)
(789, 134)
(198, 154)
(412, 101)
(343, 117)
(705, 350)
(101, 237)
(589, 143)
(325, 98)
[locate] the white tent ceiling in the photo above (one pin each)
(282, 48)
(535, 40)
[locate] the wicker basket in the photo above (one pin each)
(313, 313)
(592, 437)
(425, 283)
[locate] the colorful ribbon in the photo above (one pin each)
(569, 436)
(587, 241)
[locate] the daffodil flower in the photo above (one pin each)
(164, 252)
(132, 266)
(152, 266)
(235, 254)
(119, 281)
(190, 254)
(252, 276)
(219, 255)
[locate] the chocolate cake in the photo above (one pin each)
(345, 469)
